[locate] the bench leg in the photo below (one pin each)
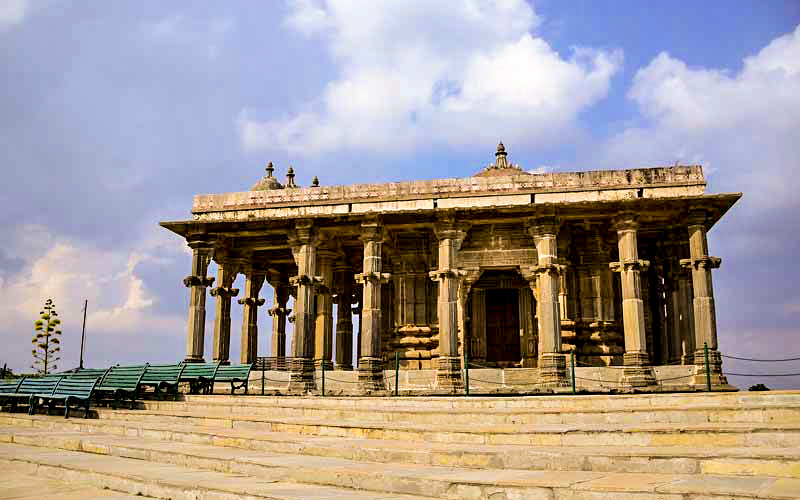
(86, 409)
(32, 405)
(66, 407)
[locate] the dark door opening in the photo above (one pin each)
(502, 327)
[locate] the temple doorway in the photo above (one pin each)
(502, 327)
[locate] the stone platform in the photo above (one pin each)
(650, 446)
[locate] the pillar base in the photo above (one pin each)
(552, 371)
(637, 371)
(448, 374)
(370, 375)
(301, 376)
(193, 359)
(344, 368)
(714, 365)
(319, 363)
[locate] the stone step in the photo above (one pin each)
(236, 472)
(779, 462)
(564, 402)
(20, 483)
(636, 434)
(556, 415)
(168, 481)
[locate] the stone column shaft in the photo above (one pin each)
(279, 313)
(344, 318)
(323, 345)
(304, 241)
(705, 319)
(370, 364)
(448, 371)
(250, 304)
(197, 283)
(552, 364)
(636, 359)
(221, 347)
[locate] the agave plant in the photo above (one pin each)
(46, 339)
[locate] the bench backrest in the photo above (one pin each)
(88, 373)
(10, 386)
(193, 371)
(80, 388)
(226, 373)
(162, 373)
(122, 377)
(41, 385)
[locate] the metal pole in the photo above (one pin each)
(263, 369)
(466, 372)
(708, 372)
(396, 372)
(572, 356)
(83, 331)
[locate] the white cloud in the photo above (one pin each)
(12, 12)
(743, 125)
(438, 72)
(69, 271)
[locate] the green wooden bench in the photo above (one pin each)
(200, 377)
(237, 375)
(121, 383)
(8, 392)
(163, 377)
(69, 391)
(31, 387)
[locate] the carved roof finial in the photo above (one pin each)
(290, 178)
(268, 182)
(315, 182)
(270, 169)
(501, 157)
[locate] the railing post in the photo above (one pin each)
(708, 372)
(322, 365)
(263, 369)
(572, 358)
(466, 372)
(396, 372)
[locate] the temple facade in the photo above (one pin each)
(508, 269)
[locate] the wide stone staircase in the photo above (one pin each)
(651, 446)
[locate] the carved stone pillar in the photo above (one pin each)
(370, 363)
(226, 274)
(343, 277)
(304, 240)
(254, 280)
(279, 314)
(705, 320)
(448, 371)
(552, 364)
(323, 345)
(637, 372)
(197, 283)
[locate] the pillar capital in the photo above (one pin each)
(629, 265)
(250, 301)
(701, 262)
(225, 292)
(542, 227)
(203, 281)
(449, 229)
(304, 233)
(439, 274)
(625, 221)
(372, 277)
(698, 217)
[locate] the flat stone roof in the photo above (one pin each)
(596, 185)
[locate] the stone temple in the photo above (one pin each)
(511, 270)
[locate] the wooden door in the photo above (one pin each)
(502, 326)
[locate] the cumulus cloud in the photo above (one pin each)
(12, 12)
(69, 271)
(440, 72)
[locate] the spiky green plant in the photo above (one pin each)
(46, 340)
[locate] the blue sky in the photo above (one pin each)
(115, 113)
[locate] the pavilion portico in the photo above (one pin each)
(513, 269)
